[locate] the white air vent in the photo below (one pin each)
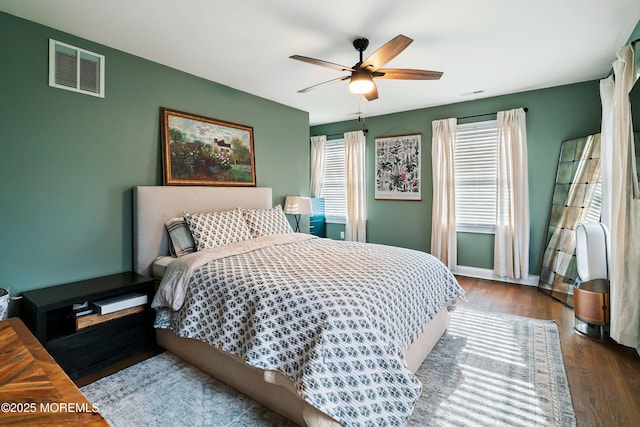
(75, 69)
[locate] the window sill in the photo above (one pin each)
(479, 229)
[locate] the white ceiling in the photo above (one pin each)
(494, 46)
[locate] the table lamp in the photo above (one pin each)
(297, 205)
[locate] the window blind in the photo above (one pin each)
(475, 165)
(334, 182)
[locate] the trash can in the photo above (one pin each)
(4, 303)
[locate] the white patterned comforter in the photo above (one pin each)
(336, 317)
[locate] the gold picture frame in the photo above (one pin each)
(199, 150)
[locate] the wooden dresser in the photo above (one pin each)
(34, 390)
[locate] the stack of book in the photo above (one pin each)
(97, 311)
(80, 310)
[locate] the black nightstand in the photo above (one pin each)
(47, 313)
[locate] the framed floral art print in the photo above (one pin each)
(397, 167)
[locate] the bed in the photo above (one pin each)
(343, 378)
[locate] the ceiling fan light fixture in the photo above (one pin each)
(361, 82)
(365, 70)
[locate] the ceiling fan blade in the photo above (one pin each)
(406, 74)
(386, 53)
(321, 63)
(372, 94)
(310, 88)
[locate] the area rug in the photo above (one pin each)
(487, 370)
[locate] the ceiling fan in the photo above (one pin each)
(363, 73)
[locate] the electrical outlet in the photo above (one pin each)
(342, 234)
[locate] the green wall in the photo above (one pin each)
(555, 114)
(69, 161)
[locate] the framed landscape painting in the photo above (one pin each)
(397, 167)
(198, 150)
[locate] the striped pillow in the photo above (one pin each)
(180, 239)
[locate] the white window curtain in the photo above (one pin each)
(511, 247)
(355, 227)
(443, 216)
(318, 149)
(620, 210)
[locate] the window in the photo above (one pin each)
(475, 165)
(595, 208)
(75, 69)
(334, 182)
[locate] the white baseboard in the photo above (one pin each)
(485, 273)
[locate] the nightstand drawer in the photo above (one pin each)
(101, 345)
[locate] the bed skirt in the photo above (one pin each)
(272, 388)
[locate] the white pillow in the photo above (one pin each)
(214, 229)
(263, 222)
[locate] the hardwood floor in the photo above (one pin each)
(604, 378)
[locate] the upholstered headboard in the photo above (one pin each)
(152, 206)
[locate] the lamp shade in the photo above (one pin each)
(297, 205)
(361, 82)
